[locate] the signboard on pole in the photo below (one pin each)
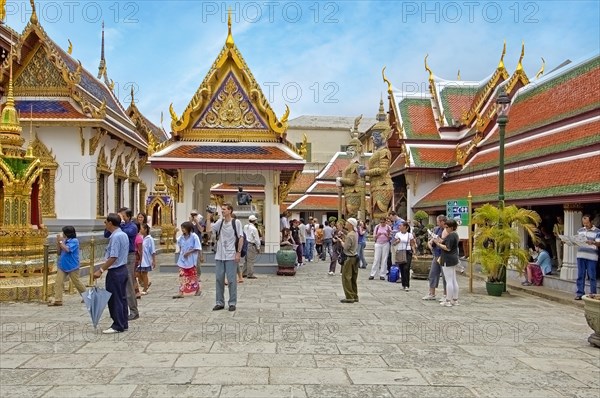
(459, 211)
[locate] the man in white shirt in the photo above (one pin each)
(228, 256)
(253, 247)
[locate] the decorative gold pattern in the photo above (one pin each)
(49, 167)
(230, 110)
(385, 79)
(40, 76)
(499, 76)
(95, 140)
(437, 109)
(116, 150)
(82, 141)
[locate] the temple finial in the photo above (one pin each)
(70, 49)
(132, 96)
(458, 77)
(34, 18)
(501, 63)
(229, 42)
(520, 64)
(385, 79)
(541, 71)
(102, 66)
(428, 69)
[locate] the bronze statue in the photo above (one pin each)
(353, 185)
(382, 187)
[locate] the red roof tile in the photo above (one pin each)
(341, 162)
(418, 120)
(554, 100)
(434, 157)
(574, 137)
(313, 202)
(527, 183)
(303, 182)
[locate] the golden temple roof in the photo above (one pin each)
(229, 104)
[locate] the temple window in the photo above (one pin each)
(101, 199)
(118, 193)
(132, 196)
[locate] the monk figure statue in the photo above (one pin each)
(353, 185)
(382, 187)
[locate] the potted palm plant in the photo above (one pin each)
(497, 245)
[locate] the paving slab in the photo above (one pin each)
(291, 337)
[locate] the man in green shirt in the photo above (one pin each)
(350, 267)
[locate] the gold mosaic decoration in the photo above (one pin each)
(49, 167)
(40, 76)
(230, 110)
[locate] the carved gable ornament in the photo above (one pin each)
(230, 108)
(40, 76)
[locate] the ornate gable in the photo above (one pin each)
(40, 76)
(231, 108)
(229, 105)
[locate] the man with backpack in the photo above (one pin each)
(230, 241)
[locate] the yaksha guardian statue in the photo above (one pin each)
(382, 187)
(353, 185)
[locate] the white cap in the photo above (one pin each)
(194, 212)
(353, 221)
(252, 218)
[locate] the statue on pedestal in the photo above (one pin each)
(243, 198)
(382, 187)
(352, 183)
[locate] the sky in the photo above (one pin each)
(319, 57)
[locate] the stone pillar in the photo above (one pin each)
(572, 218)
(271, 211)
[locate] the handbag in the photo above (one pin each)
(401, 255)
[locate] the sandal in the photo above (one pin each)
(241, 281)
(178, 296)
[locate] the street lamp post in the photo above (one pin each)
(502, 108)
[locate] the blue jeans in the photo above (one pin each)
(116, 283)
(327, 248)
(228, 267)
(309, 249)
(584, 267)
(361, 255)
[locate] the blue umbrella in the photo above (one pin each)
(96, 300)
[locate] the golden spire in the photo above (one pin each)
(70, 49)
(132, 96)
(34, 18)
(501, 63)
(428, 70)
(229, 42)
(29, 153)
(458, 77)
(102, 66)
(9, 124)
(385, 79)
(520, 64)
(541, 71)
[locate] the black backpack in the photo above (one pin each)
(244, 250)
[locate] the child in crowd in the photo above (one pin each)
(148, 258)
(68, 264)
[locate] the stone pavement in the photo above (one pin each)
(291, 337)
